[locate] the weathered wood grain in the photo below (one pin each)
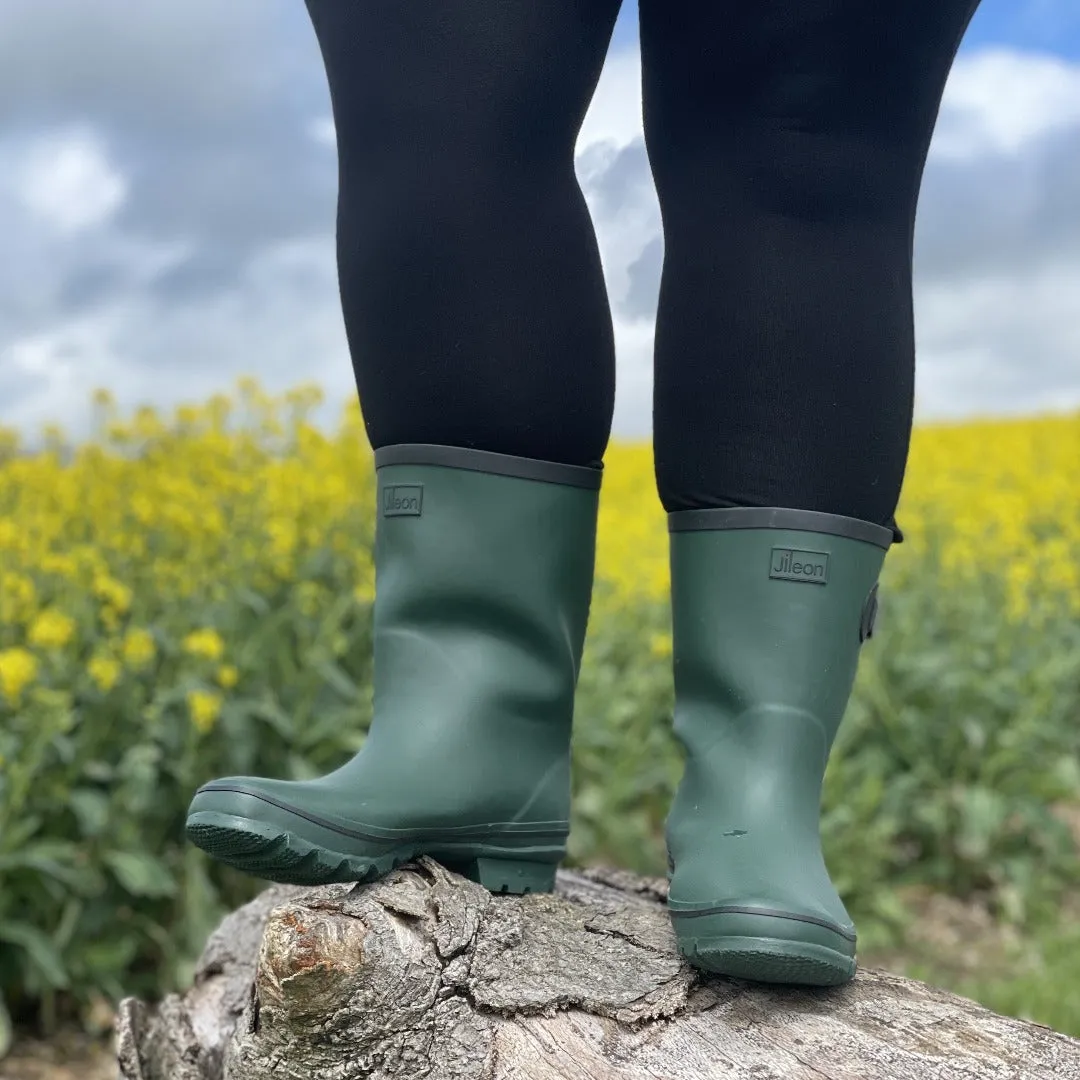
(427, 976)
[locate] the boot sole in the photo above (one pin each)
(770, 960)
(273, 853)
(787, 949)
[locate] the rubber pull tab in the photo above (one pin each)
(869, 615)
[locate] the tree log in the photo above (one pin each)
(427, 976)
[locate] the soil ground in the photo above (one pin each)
(68, 1056)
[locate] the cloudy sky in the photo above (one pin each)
(168, 185)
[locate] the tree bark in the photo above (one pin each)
(427, 976)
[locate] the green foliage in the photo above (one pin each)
(99, 892)
(960, 737)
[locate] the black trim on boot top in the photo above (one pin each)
(486, 461)
(766, 517)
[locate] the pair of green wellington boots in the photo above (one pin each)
(484, 574)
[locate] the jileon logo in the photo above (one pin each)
(790, 564)
(403, 500)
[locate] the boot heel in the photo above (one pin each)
(514, 876)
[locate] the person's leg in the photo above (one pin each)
(471, 285)
(787, 142)
(478, 323)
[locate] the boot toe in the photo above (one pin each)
(255, 825)
(767, 944)
(242, 795)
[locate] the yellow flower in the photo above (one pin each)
(282, 536)
(62, 565)
(147, 424)
(18, 597)
(51, 629)
(53, 434)
(105, 671)
(112, 592)
(18, 668)
(228, 676)
(117, 432)
(205, 709)
(660, 645)
(247, 386)
(138, 647)
(305, 396)
(9, 442)
(205, 642)
(364, 592)
(213, 514)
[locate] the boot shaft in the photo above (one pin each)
(474, 543)
(770, 608)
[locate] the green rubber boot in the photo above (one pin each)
(769, 611)
(483, 582)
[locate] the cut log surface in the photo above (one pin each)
(427, 976)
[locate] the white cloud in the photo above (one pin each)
(633, 388)
(67, 180)
(614, 114)
(999, 101)
(1003, 344)
(622, 235)
(280, 322)
(65, 365)
(323, 131)
(613, 123)
(986, 343)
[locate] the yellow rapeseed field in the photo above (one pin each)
(92, 547)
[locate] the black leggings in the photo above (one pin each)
(787, 142)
